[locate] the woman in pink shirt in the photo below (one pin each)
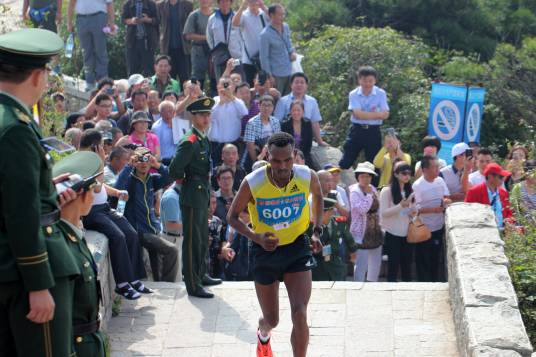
(140, 134)
(362, 197)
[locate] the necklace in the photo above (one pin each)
(284, 188)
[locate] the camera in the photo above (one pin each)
(110, 91)
(193, 80)
(144, 158)
(262, 78)
(225, 85)
(391, 132)
(469, 153)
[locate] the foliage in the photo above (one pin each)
(399, 61)
(520, 248)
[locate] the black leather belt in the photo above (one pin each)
(49, 219)
(172, 234)
(86, 329)
(366, 126)
(89, 15)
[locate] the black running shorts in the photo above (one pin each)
(291, 258)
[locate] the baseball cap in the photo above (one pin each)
(459, 149)
(135, 79)
(496, 169)
(332, 168)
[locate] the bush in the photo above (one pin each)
(521, 251)
(333, 57)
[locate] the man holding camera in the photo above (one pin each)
(456, 176)
(191, 168)
(139, 210)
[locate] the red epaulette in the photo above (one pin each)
(341, 219)
(192, 138)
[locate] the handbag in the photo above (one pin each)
(373, 237)
(220, 54)
(417, 231)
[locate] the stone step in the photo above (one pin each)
(345, 319)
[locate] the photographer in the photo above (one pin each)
(226, 120)
(385, 158)
(456, 176)
(141, 186)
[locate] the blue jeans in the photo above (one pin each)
(93, 42)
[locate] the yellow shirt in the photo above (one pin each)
(282, 211)
(383, 162)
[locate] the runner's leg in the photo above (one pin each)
(268, 296)
(299, 291)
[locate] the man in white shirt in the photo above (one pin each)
(298, 85)
(456, 176)
(251, 18)
(483, 158)
(226, 125)
(431, 197)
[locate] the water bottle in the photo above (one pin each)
(69, 46)
(121, 203)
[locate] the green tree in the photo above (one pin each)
(333, 57)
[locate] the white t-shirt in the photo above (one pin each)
(476, 178)
(226, 124)
(429, 195)
(101, 197)
(250, 29)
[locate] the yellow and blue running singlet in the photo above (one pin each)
(282, 211)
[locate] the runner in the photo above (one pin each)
(277, 199)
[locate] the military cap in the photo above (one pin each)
(87, 164)
(201, 105)
(329, 203)
(29, 48)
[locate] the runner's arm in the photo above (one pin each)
(318, 201)
(239, 204)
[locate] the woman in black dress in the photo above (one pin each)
(300, 128)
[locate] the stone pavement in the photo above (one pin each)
(345, 319)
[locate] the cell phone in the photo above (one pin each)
(110, 91)
(391, 132)
(54, 144)
(193, 80)
(77, 183)
(469, 153)
(236, 62)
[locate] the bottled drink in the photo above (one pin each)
(121, 203)
(69, 46)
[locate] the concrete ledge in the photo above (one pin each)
(484, 303)
(98, 245)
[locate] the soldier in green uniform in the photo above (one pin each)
(88, 340)
(335, 233)
(36, 265)
(191, 166)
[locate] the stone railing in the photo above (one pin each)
(484, 303)
(98, 245)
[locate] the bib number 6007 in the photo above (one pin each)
(277, 213)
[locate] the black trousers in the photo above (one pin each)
(163, 255)
(428, 258)
(180, 65)
(125, 248)
(358, 139)
(140, 58)
(400, 257)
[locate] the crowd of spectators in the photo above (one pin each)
(244, 60)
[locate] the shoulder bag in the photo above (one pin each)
(417, 231)
(373, 237)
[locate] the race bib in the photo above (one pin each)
(281, 211)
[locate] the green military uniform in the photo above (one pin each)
(191, 164)
(33, 251)
(334, 234)
(88, 340)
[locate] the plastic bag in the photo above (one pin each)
(296, 65)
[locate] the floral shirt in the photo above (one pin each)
(360, 204)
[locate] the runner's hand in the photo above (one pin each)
(316, 244)
(268, 241)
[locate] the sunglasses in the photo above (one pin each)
(405, 173)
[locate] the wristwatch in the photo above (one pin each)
(318, 230)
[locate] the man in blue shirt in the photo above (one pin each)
(298, 85)
(164, 130)
(139, 211)
(276, 51)
(369, 108)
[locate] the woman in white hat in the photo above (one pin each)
(363, 201)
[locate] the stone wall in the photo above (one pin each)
(98, 245)
(484, 303)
